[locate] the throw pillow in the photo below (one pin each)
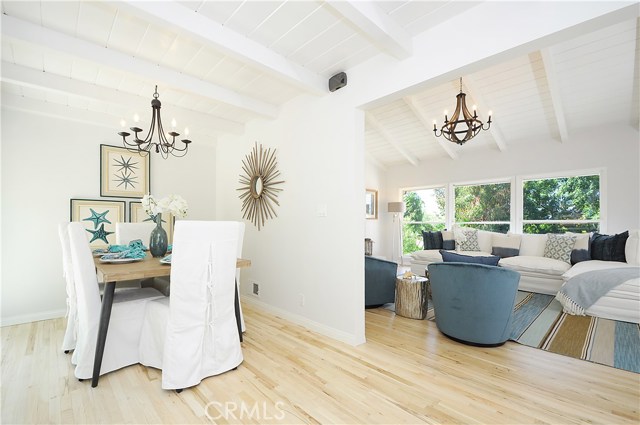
(467, 239)
(448, 241)
(505, 246)
(581, 250)
(452, 257)
(559, 247)
(431, 240)
(609, 247)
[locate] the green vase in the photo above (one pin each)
(159, 241)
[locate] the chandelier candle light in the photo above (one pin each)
(460, 130)
(162, 145)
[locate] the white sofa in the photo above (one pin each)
(538, 273)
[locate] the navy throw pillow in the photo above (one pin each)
(432, 240)
(609, 247)
(452, 257)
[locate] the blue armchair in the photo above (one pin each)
(473, 302)
(379, 281)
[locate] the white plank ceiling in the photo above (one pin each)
(221, 64)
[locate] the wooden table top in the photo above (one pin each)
(149, 267)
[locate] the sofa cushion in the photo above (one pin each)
(581, 250)
(609, 247)
(544, 265)
(432, 240)
(592, 265)
(453, 257)
(427, 256)
(466, 239)
(532, 244)
(505, 246)
(559, 247)
(448, 241)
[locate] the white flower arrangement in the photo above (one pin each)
(173, 204)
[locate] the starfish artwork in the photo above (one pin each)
(99, 234)
(125, 164)
(126, 178)
(97, 218)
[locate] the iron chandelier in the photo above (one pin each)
(162, 145)
(461, 130)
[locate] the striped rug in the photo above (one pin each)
(538, 321)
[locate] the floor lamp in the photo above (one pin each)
(397, 208)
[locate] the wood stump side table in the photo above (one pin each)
(411, 297)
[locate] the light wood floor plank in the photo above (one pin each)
(407, 372)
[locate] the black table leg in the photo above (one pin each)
(105, 316)
(237, 308)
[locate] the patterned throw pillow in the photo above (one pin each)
(559, 247)
(431, 240)
(469, 241)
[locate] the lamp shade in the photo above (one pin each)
(396, 207)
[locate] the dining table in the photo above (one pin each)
(148, 267)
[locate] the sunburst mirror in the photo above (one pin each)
(258, 180)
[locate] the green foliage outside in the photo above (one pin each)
(570, 198)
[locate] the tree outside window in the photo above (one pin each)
(484, 206)
(425, 211)
(565, 204)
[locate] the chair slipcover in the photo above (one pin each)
(473, 303)
(239, 255)
(127, 232)
(123, 337)
(195, 334)
(69, 340)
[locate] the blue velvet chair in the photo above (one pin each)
(473, 302)
(379, 281)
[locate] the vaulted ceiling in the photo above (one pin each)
(220, 64)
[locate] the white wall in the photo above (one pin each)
(320, 151)
(46, 162)
(615, 148)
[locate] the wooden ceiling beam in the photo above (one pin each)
(554, 91)
(377, 126)
(445, 145)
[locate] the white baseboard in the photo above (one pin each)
(35, 317)
(307, 323)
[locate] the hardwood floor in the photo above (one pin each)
(407, 372)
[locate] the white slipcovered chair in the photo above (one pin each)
(194, 334)
(123, 337)
(239, 255)
(127, 232)
(69, 340)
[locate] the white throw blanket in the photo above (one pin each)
(582, 291)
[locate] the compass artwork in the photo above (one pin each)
(99, 218)
(258, 191)
(122, 173)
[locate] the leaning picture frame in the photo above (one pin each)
(123, 174)
(371, 204)
(99, 218)
(137, 215)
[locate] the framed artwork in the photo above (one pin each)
(137, 215)
(123, 174)
(99, 218)
(371, 204)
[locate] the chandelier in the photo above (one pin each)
(162, 145)
(460, 130)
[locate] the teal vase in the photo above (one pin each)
(159, 241)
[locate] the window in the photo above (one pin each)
(484, 206)
(561, 204)
(425, 211)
